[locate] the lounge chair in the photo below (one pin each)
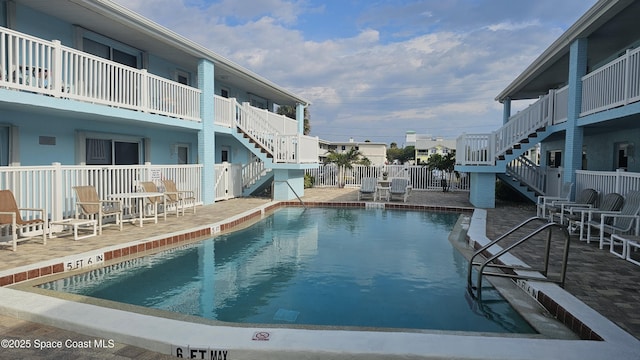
(617, 222)
(14, 227)
(368, 188)
(579, 217)
(545, 201)
(399, 187)
(585, 199)
(90, 206)
(182, 198)
(627, 243)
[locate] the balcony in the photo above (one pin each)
(45, 67)
(613, 85)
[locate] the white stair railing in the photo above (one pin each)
(526, 171)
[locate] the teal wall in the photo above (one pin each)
(600, 149)
(31, 126)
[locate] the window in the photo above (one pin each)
(224, 155)
(119, 55)
(182, 77)
(554, 158)
(224, 93)
(112, 152)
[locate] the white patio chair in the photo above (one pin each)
(399, 187)
(545, 201)
(368, 188)
(579, 217)
(623, 221)
(561, 208)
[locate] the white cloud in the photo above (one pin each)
(440, 80)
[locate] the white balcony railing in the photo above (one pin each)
(47, 67)
(606, 182)
(615, 84)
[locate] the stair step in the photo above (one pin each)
(544, 128)
(509, 151)
(517, 146)
(524, 141)
(533, 135)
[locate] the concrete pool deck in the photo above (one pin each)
(599, 279)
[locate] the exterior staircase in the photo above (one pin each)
(502, 152)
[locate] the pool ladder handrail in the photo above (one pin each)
(294, 192)
(549, 226)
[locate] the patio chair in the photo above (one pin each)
(585, 199)
(153, 202)
(618, 222)
(182, 198)
(579, 217)
(545, 201)
(399, 187)
(14, 227)
(90, 206)
(368, 188)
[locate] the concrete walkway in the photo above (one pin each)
(604, 282)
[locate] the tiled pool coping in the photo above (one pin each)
(586, 322)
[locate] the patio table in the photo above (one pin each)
(139, 197)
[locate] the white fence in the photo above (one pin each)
(47, 67)
(606, 182)
(420, 177)
(51, 187)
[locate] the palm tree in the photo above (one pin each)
(345, 161)
(445, 164)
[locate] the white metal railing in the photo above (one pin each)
(51, 187)
(252, 172)
(606, 182)
(525, 122)
(613, 85)
(224, 110)
(420, 177)
(475, 149)
(561, 105)
(47, 67)
(528, 172)
(277, 134)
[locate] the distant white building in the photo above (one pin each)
(375, 152)
(427, 145)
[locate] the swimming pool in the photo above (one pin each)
(320, 266)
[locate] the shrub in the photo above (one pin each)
(308, 181)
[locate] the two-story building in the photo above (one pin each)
(586, 117)
(428, 145)
(92, 84)
(374, 151)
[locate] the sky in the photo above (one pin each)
(375, 69)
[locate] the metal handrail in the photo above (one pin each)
(294, 192)
(544, 271)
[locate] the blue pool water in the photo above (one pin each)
(320, 266)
